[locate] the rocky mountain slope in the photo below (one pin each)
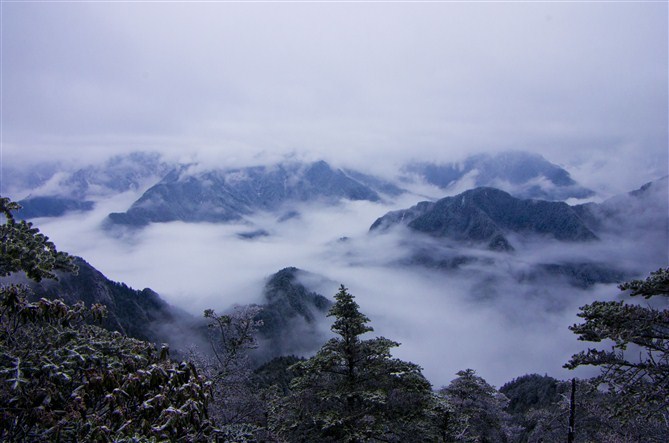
(290, 312)
(534, 240)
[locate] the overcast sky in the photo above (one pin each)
(583, 83)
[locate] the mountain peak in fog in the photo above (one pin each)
(523, 174)
(484, 216)
(291, 314)
(194, 195)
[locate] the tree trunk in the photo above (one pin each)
(572, 412)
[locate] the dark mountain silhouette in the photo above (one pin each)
(291, 315)
(484, 217)
(51, 206)
(141, 314)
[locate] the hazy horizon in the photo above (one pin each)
(373, 84)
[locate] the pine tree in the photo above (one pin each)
(636, 369)
(353, 390)
(24, 248)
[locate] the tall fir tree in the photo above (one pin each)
(353, 390)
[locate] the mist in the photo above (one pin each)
(497, 314)
(367, 86)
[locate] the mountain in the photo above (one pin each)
(379, 185)
(18, 179)
(522, 174)
(53, 194)
(53, 206)
(290, 312)
(291, 315)
(644, 209)
(120, 173)
(485, 217)
(190, 195)
(141, 314)
(492, 233)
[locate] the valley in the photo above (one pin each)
(483, 276)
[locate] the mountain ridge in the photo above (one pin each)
(485, 216)
(523, 174)
(232, 194)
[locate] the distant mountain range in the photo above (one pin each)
(484, 218)
(195, 193)
(118, 174)
(54, 193)
(646, 208)
(522, 174)
(231, 194)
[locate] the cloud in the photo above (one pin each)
(483, 316)
(432, 81)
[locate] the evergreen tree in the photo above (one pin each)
(24, 248)
(352, 390)
(636, 368)
(477, 409)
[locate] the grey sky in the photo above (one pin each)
(582, 83)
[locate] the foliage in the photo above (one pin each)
(277, 373)
(24, 248)
(657, 283)
(531, 391)
(637, 366)
(63, 379)
(477, 409)
(548, 423)
(353, 390)
(231, 336)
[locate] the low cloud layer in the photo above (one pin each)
(480, 317)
